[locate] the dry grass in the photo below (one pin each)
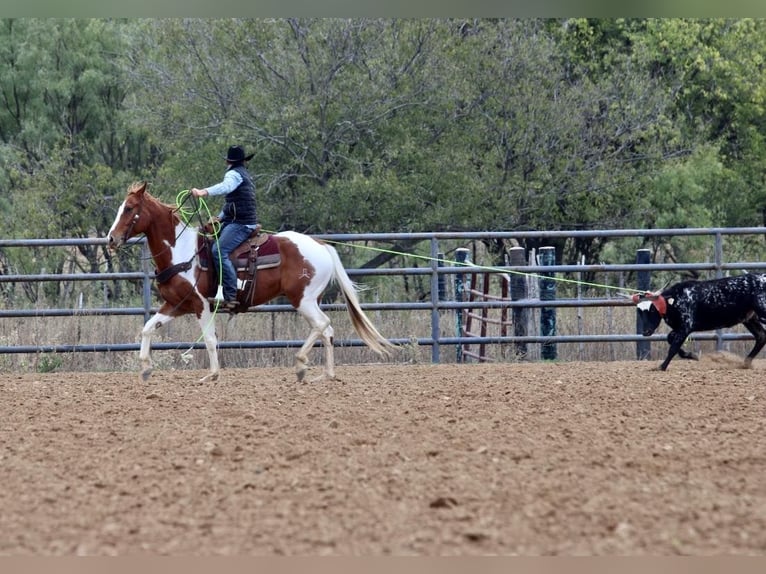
(400, 325)
(270, 326)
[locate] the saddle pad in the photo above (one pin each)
(268, 253)
(270, 247)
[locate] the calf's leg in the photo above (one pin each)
(676, 340)
(687, 355)
(756, 328)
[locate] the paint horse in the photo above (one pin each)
(306, 267)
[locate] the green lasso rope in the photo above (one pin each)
(186, 213)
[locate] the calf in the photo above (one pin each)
(692, 306)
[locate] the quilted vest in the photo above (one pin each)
(240, 203)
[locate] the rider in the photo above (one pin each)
(238, 219)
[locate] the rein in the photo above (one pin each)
(167, 274)
(187, 224)
(185, 215)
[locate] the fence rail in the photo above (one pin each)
(439, 270)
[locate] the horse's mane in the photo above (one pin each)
(136, 186)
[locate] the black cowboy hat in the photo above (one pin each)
(236, 154)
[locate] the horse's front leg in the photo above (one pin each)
(207, 324)
(158, 321)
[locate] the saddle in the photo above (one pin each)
(259, 251)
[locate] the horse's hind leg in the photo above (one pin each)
(320, 327)
(327, 340)
(158, 321)
(329, 364)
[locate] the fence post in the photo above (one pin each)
(548, 293)
(435, 297)
(643, 283)
(461, 256)
(518, 258)
(719, 346)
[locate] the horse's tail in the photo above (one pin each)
(362, 324)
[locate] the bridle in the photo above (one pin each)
(129, 231)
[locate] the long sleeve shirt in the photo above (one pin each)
(231, 180)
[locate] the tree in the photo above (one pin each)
(722, 96)
(63, 136)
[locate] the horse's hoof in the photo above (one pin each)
(210, 377)
(301, 374)
(146, 373)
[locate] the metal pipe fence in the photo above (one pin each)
(438, 271)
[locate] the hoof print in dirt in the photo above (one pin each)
(476, 537)
(443, 502)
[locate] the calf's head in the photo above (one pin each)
(651, 310)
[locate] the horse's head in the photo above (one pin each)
(128, 222)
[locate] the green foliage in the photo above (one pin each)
(65, 145)
(690, 193)
(386, 125)
(716, 69)
(48, 363)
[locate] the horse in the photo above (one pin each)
(300, 270)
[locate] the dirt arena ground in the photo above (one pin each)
(436, 460)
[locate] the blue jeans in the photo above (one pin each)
(230, 237)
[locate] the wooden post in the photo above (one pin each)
(518, 258)
(643, 282)
(548, 293)
(487, 281)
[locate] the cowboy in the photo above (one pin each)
(238, 220)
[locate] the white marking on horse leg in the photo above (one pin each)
(207, 323)
(158, 321)
(302, 356)
(329, 367)
(320, 327)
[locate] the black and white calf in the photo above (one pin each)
(692, 306)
